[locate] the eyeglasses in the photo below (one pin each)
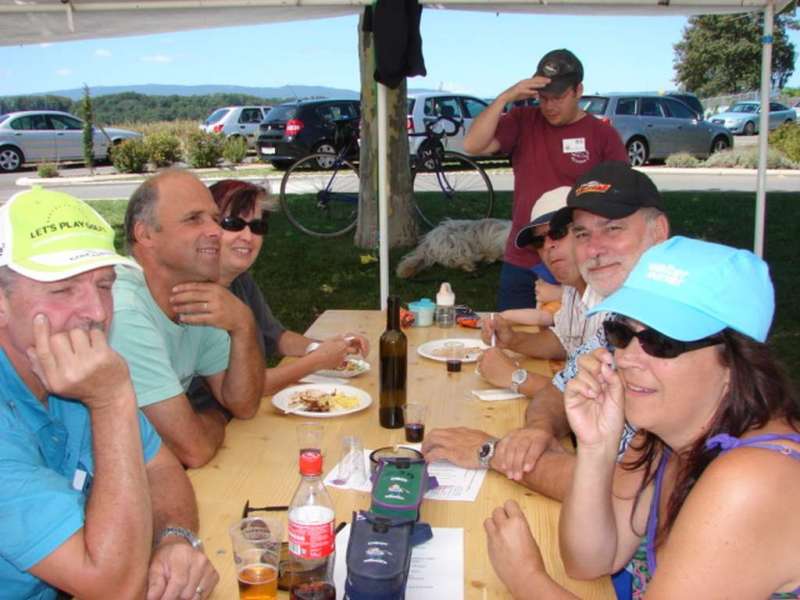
(656, 344)
(257, 226)
(555, 233)
(251, 509)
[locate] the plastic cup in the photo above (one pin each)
(414, 419)
(454, 354)
(309, 436)
(352, 466)
(256, 545)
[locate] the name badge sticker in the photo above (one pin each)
(573, 145)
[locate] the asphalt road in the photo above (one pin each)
(665, 179)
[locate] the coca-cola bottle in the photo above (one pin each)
(312, 540)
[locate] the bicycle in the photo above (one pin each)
(445, 184)
(319, 193)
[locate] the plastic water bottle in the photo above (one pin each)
(312, 539)
(445, 306)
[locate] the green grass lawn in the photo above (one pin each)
(304, 276)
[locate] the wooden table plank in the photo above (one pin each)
(258, 461)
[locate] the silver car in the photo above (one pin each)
(743, 117)
(242, 121)
(51, 136)
(426, 107)
(653, 126)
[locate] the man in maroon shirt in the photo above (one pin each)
(550, 145)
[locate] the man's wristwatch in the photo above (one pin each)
(190, 537)
(518, 377)
(312, 346)
(486, 452)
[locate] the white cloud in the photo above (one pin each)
(102, 53)
(64, 72)
(157, 58)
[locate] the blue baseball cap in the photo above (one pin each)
(690, 289)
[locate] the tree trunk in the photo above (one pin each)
(402, 219)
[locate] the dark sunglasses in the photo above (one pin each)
(656, 344)
(257, 226)
(555, 234)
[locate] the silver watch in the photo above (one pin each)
(190, 537)
(486, 452)
(518, 377)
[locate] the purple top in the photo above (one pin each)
(726, 443)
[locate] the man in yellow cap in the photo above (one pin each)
(92, 504)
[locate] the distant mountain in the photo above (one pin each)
(152, 89)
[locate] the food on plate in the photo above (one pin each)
(321, 402)
(351, 365)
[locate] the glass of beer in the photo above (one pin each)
(256, 552)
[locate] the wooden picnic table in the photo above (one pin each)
(258, 461)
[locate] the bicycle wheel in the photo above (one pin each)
(456, 189)
(322, 203)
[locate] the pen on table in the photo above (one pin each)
(339, 527)
(494, 335)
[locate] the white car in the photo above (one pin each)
(51, 136)
(426, 107)
(240, 121)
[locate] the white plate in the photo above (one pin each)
(267, 150)
(358, 366)
(282, 399)
(430, 349)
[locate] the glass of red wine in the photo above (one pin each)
(414, 419)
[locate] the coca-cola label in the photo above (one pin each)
(308, 540)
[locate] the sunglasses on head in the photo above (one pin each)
(619, 334)
(555, 233)
(257, 226)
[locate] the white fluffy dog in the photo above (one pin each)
(459, 245)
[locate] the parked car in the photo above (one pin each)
(237, 121)
(653, 126)
(796, 107)
(426, 107)
(51, 136)
(689, 100)
(743, 117)
(296, 129)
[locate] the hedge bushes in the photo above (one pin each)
(786, 138)
(204, 149)
(235, 149)
(163, 149)
(131, 156)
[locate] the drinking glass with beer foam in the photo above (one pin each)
(256, 553)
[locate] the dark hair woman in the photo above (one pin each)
(704, 504)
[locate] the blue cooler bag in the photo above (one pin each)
(379, 556)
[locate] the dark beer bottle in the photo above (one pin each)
(393, 368)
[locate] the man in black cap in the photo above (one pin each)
(551, 145)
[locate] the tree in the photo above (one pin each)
(721, 54)
(87, 115)
(402, 220)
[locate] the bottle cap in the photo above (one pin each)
(445, 297)
(311, 462)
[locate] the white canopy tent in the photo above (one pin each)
(37, 21)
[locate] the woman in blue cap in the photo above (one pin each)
(704, 503)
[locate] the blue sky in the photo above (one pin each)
(478, 53)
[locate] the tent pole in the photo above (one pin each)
(383, 201)
(763, 128)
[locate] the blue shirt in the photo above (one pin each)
(46, 469)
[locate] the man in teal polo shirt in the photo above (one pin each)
(85, 485)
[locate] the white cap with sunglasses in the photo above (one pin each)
(542, 212)
(690, 290)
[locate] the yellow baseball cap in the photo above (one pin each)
(48, 236)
